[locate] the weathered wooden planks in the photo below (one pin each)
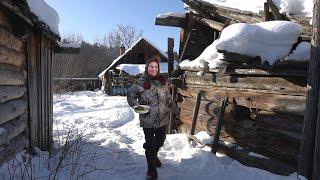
(11, 110)
(11, 92)
(13, 129)
(10, 75)
(279, 85)
(7, 39)
(286, 104)
(3, 19)
(8, 56)
(172, 21)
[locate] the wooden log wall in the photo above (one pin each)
(13, 91)
(265, 113)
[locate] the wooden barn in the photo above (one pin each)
(117, 82)
(265, 105)
(26, 48)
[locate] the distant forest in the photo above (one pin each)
(93, 57)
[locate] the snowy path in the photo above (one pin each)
(107, 144)
(113, 127)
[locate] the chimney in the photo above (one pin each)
(122, 49)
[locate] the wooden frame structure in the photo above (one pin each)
(266, 104)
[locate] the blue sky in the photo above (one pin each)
(92, 18)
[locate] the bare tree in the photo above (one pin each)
(123, 34)
(72, 38)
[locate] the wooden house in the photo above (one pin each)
(116, 82)
(26, 48)
(265, 104)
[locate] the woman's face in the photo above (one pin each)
(153, 69)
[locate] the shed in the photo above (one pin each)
(26, 47)
(115, 81)
(265, 103)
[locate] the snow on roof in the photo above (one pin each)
(128, 50)
(171, 14)
(301, 53)
(210, 55)
(271, 40)
(135, 69)
(296, 7)
(45, 13)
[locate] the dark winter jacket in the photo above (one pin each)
(156, 94)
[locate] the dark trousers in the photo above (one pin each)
(155, 138)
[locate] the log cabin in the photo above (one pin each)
(117, 82)
(265, 105)
(26, 47)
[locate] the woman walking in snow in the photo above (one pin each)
(152, 90)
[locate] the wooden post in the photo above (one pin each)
(218, 127)
(195, 112)
(307, 165)
(266, 12)
(315, 56)
(170, 55)
(170, 68)
(189, 30)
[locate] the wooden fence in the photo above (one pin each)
(118, 84)
(75, 84)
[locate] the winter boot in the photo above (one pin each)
(157, 160)
(152, 170)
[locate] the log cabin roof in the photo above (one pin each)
(119, 59)
(217, 17)
(25, 19)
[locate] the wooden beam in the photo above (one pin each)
(195, 6)
(11, 75)
(8, 93)
(189, 29)
(210, 23)
(315, 54)
(230, 13)
(267, 16)
(218, 126)
(307, 156)
(172, 21)
(275, 10)
(170, 55)
(11, 110)
(304, 38)
(284, 104)
(195, 112)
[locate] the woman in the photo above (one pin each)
(152, 90)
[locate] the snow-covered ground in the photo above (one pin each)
(105, 142)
